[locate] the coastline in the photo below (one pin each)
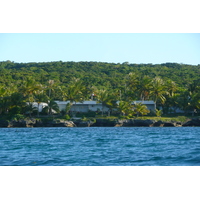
(31, 123)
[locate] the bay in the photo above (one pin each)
(100, 146)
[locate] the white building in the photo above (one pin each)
(151, 105)
(41, 105)
(86, 106)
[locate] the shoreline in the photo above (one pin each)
(31, 123)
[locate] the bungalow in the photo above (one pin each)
(151, 105)
(40, 106)
(86, 106)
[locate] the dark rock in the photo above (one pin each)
(30, 123)
(132, 123)
(169, 124)
(4, 123)
(128, 123)
(38, 123)
(81, 123)
(192, 122)
(158, 123)
(59, 123)
(21, 123)
(67, 124)
(104, 123)
(17, 123)
(145, 123)
(178, 124)
(84, 124)
(119, 122)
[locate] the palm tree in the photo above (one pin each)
(102, 96)
(51, 107)
(2, 98)
(132, 80)
(125, 107)
(183, 100)
(40, 97)
(29, 87)
(171, 88)
(158, 90)
(141, 109)
(131, 86)
(75, 91)
(189, 98)
(5, 97)
(111, 101)
(30, 108)
(194, 103)
(171, 96)
(158, 113)
(17, 102)
(105, 97)
(143, 87)
(62, 91)
(50, 87)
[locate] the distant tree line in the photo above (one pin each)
(172, 86)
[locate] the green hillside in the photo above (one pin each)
(171, 85)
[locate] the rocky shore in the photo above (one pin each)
(96, 123)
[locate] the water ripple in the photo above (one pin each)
(105, 146)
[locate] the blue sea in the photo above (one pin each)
(100, 146)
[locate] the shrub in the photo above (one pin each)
(84, 118)
(181, 118)
(15, 110)
(67, 117)
(18, 117)
(88, 114)
(158, 113)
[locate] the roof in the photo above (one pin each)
(144, 102)
(95, 102)
(84, 102)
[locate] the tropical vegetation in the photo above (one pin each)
(172, 86)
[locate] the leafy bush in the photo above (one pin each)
(47, 119)
(84, 118)
(18, 117)
(181, 118)
(158, 113)
(88, 114)
(67, 117)
(15, 110)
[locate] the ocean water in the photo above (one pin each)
(100, 146)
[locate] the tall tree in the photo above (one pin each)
(106, 98)
(75, 92)
(141, 109)
(158, 90)
(29, 87)
(143, 87)
(40, 97)
(131, 86)
(50, 88)
(125, 108)
(52, 107)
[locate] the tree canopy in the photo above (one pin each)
(169, 84)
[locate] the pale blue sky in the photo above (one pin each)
(104, 47)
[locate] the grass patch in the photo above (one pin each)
(166, 119)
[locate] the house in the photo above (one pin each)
(40, 106)
(87, 106)
(84, 106)
(151, 105)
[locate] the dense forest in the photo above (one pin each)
(171, 85)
